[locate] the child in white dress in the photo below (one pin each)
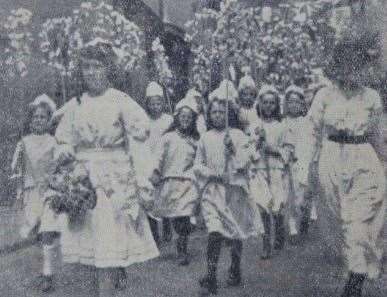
(159, 124)
(298, 136)
(221, 168)
(177, 192)
(247, 98)
(32, 164)
(268, 179)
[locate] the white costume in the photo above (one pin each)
(352, 177)
(107, 134)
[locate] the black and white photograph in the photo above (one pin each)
(193, 148)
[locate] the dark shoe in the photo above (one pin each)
(209, 285)
(121, 279)
(354, 285)
(294, 239)
(234, 279)
(266, 253)
(167, 231)
(46, 284)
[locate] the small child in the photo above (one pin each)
(201, 120)
(269, 170)
(247, 114)
(298, 135)
(32, 164)
(220, 167)
(177, 193)
(159, 124)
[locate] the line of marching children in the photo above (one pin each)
(237, 159)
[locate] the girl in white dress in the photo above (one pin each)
(346, 118)
(221, 167)
(298, 135)
(106, 131)
(177, 192)
(33, 163)
(159, 124)
(268, 184)
(247, 100)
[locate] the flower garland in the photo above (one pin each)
(54, 41)
(96, 22)
(91, 23)
(17, 42)
(286, 49)
(161, 62)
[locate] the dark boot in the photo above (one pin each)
(279, 227)
(354, 285)
(167, 230)
(121, 277)
(304, 224)
(47, 284)
(266, 253)
(182, 250)
(266, 237)
(209, 283)
(234, 277)
(153, 224)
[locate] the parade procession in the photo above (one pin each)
(166, 148)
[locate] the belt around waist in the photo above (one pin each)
(347, 139)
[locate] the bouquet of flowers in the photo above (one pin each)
(16, 42)
(70, 191)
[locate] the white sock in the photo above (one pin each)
(313, 212)
(48, 259)
(293, 226)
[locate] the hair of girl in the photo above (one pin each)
(277, 112)
(29, 114)
(233, 119)
(192, 132)
(103, 53)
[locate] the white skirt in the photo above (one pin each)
(38, 216)
(116, 232)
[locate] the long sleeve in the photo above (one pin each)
(136, 126)
(200, 168)
(316, 117)
(377, 129)
(17, 161)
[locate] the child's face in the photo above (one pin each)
(247, 97)
(185, 118)
(155, 105)
(295, 105)
(218, 115)
(268, 104)
(39, 121)
(95, 75)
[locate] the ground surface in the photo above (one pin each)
(296, 272)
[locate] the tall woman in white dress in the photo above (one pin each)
(345, 116)
(105, 130)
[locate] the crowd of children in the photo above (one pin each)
(239, 159)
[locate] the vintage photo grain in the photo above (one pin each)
(181, 148)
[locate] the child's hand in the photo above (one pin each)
(155, 179)
(230, 148)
